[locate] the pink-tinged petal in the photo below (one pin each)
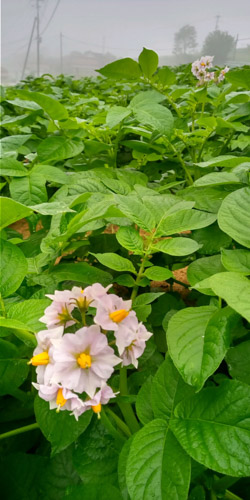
(91, 382)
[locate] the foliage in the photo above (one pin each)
(129, 179)
(185, 39)
(220, 44)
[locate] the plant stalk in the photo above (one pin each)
(20, 430)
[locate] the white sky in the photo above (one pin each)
(122, 27)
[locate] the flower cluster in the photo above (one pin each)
(73, 368)
(201, 69)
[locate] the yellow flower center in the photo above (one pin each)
(84, 360)
(60, 399)
(97, 409)
(39, 359)
(203, 64)
(118, 316)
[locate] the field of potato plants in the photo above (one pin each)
(125, 298)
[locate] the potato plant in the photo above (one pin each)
(125, 224)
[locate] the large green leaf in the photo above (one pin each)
(95, 457)
(223, 161)
(234, 288)
(217, 178)
(156, 116)
(176, 246)
(136, 211)
(158, 273)
(237, 359)
(61, 428)
(240, 77)
(19, 329)
(148, 60)
(29, 190)
(203, 268)
(123, 68)
(13, 370)
(58, 148)
(214, 428)
(130, 239)
(12, 143)
(29, 312)
(93, 492)
(52, 174)
(81, 272)
(116, 114)
(11, 211)
(13, 267)
(236, 260)
(234, 216)
(185, 220)
(53, 108)
(198, 339)
(114, 261)
(143, 402)
(211, 239)
(12, 168)
(157, 466)
(122, 465)
(167, 390)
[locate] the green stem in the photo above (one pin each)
(188, 176)
(141, 270)
(126, 408)
(220, 302)
(83, 315)
(231, 496)
(109, 426)
(2, 307)
(20, 430)
(122, 426)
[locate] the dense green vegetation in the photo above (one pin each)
(126, 179)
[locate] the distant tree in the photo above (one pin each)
(218, 44)
(184, 40)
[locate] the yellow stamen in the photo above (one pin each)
(84, 360)
(60, 399)
(203, 64)
(39, 359)
(97, 409)
(118, 316)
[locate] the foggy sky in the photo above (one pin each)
(121, 27)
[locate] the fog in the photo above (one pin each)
(78, 36)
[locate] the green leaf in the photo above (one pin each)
(158, 273)
(29, 190)
(157, 466)
(234, 216)
(11, 211)
(198, 339)
(81, 272)
(13, 370)
(130, 239)
(239, 77)
(122, 465)
(185, 220)
(176, 246)
(123, 68)
(61, 429)
(58, 148)
(167, 390)
(228, 161)
(53, 108)
(12, 143)
(29, 311)
(51, 174)
(236, 260)
(211, 239)
(114, 261)
(143, 403)
(96, 454)
(19, 329)
(116, 114)
(125, 280)
(156, 116)
(21, 474)
(148, 60)
(147, 298)
(213, 428)
(237, 359)
(217, 178)
(233, 288)
(51, 208)
(13, 266)
(12, 168)
(93, 492)
(203, 268)
(136, 211)
(165, 76)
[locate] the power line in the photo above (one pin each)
(51, 17)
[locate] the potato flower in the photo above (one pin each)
(59, 312)
(43, 353)
(131, 341)
(59, 397)
(112, 311)
(101, 397)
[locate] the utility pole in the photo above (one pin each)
(61, 53)
(217, 22)
(28, 49)
(37, 39)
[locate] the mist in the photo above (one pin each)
(79, 36)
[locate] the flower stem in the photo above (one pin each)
(126, 408)
(109, 426)
(231, 496)
(20, 430)
(122, 426)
